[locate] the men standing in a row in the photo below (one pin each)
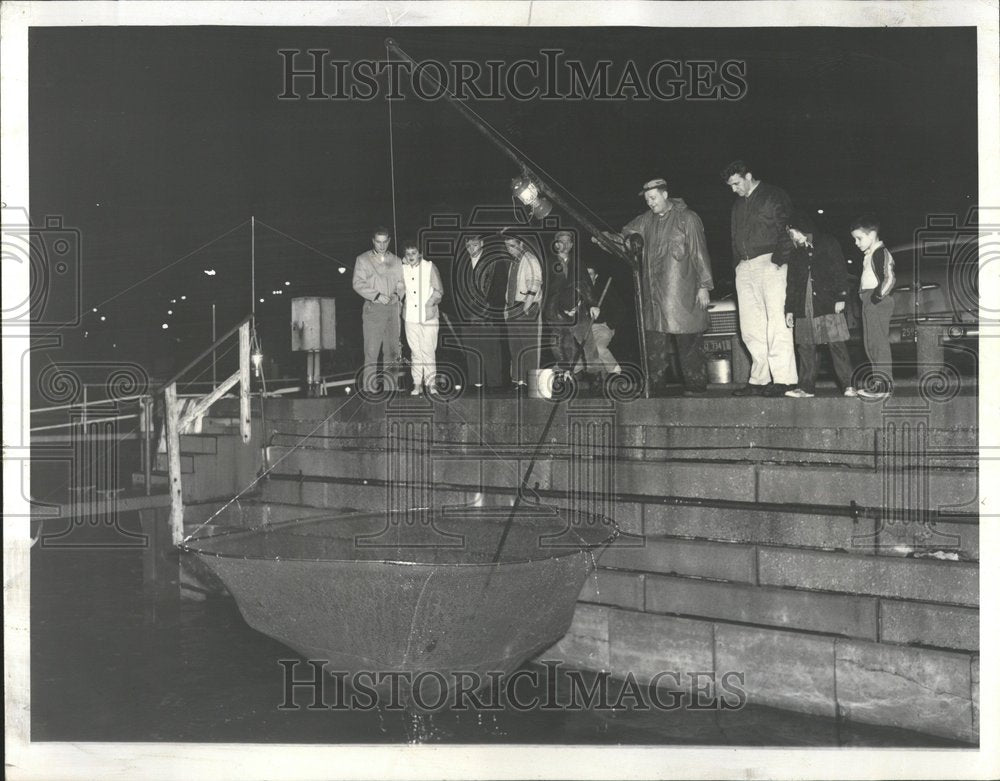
(760, 251)
(378, 278)
(676, 278)
(523, 310)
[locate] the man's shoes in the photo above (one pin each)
(851, 392)
(776, 389)
(799, 393)
(750, 390)
(416, 391)
(874, 395)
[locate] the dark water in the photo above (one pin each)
(112, 663)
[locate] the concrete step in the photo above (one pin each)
(950, 490)
(847, 615)
(198, 443)
(717, 409)
(927, 580)
(162, 463)
(158, 479)
(836, 445)
(214, 426)
(821, 673)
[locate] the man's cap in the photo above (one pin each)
(653, 184)
(474, 237)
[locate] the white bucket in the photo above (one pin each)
(540, 383)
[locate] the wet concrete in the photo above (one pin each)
(112, 663)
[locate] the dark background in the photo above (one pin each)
(155, 142)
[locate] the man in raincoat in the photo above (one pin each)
(676, 277)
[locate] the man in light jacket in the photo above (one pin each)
(422, 294)
(523, 310)
(378, 278)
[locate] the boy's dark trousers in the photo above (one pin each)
(807, 365)
(875, 319)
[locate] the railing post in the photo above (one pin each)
(245, 381)
(174, 463)
(147, 438)
(83, 416)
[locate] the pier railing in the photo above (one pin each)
(179, 420)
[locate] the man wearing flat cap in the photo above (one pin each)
(676, 277)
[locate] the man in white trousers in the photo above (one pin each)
(761, 248)
(421, 295)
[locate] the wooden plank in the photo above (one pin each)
(122, 504)
(174, 464)
(245, 382)
(201, 407)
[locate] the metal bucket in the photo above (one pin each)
(540, 383)
(720, 370)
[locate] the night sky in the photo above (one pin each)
(153, 142)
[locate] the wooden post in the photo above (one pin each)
(174, 464)
(245, 382)
(147, 442)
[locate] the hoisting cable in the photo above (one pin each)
(392, 160)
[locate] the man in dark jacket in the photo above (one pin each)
(608, 318)
(676, 278)
(815, 298)
(569, 306)
(760, 252)
(478, 293)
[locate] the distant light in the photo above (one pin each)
(173, 300)
(209, 271)
(261, 300)
(164, 326)
(103, 318)
(347, 389)
(170, 311)
(287, 283)
(183, 298)
(86, 334)
(819, 211)
(115, 344)
(94, 309)
(342, 269)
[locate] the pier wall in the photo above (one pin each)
(821, 610)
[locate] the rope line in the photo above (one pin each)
(266, 472)
(392, 163)
(302, 243)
